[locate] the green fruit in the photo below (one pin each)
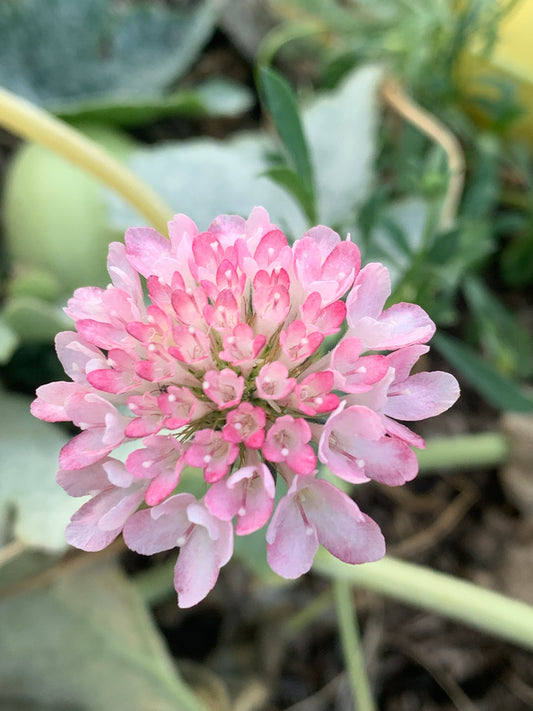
(55, 216)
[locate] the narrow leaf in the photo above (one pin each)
(499, 391)
(292, 182)
(281, 102)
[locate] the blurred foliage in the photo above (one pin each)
(431, 48)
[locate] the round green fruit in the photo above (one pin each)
(55, 215)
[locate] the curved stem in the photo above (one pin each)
(443, 594)
(433, 128)
(464, 451)
(351, 647)
(283, 34)
(28, 121)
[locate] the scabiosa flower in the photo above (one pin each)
(215, 360)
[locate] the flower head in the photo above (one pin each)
(221, 366)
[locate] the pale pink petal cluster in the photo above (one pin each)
(206, 351)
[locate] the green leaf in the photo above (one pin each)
(506, 341)
(281, 103)
(62, 54)
(8, 341)
(30, 449)
(206, 177)
(292, 182)
(499, 391)
(34, 320)
(213, 97)
(87, 642)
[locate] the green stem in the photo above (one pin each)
(351, 647)
(281, 35)
(488, 449)
(28, 121)
(443, 594)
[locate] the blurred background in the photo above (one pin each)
(419, 121)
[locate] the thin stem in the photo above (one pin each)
(28, 121)
(351, 647)
(282, 35)
(488, 449)
(443, 594)
(433, 128)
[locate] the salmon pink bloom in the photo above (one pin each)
(208, 351)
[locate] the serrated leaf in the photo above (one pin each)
(283, 107)
(61, 54)
(501, 392)
(87, 642)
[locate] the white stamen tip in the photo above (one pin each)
(191, 330)
(308, 531)
(147, 464)
(207, 459)
(231, 340)
(172, 397)
(213, 245)
(319, 400)
(277, 296)
(152, 347)
(181, 540)
(362, 369)
(150, 318)
(304, 341)
(242, 511)
(133, 406)
(238, 426)
(361, 463)
(270, 251)
(227, 273)
(205, 385)
(284, 452)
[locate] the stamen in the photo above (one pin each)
(147, 464)
(172, 397)
(284, 452)
(207, 458)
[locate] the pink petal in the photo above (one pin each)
(159, 528)
(347, 533)
(371, 289)
(408, 323)
(291, 544)
(197, 569)
(422, 395)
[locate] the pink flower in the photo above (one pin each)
(221, 365)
